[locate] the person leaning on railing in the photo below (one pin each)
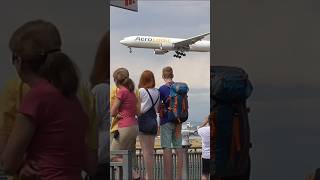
(124, 109)
(147, 120)
(114, 120)
(170, 132)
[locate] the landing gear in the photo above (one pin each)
(130, 50)
(179, 54)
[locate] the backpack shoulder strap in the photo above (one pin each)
(169, 84)
(151, 98)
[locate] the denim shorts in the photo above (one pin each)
(168, 136)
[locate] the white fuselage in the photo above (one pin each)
(161, 42)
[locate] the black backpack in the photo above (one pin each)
(229, 89)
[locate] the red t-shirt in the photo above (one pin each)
(128, 107)
(58, 144)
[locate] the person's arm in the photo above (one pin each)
(204, 123)
(115, 107)
(138, 108)
(13, 154)
(8, 111)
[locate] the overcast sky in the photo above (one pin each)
(176, 19)
(277, 42)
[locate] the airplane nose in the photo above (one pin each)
(123, 42)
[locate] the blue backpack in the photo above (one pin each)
(229, 89)
(177, 110)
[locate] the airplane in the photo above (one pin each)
(162, 45)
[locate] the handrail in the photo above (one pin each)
(193, 163)
(124, 168)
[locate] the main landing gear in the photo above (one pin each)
(130, 50)
(179, 54)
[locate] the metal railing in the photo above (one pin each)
(121, 170)
(192, 164)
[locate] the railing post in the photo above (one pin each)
(185, 171)
(121, 170)
(127, 165)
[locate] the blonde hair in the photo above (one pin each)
(121, 77)
(167, 72)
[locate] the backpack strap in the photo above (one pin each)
(168, 85)
(175, 105)
(151, 98)
(184, 103)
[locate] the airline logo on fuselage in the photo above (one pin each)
(154, 40)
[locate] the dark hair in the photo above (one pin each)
(147, 80)
(212, 119)
(121, 77)
(61, 72)
(167, 72)
(38, 45)
(101, 68)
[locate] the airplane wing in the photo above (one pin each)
(186, 43)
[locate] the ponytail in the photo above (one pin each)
(129, 84)
(60, 71)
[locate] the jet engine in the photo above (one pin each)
(167, 46)
(160, 52)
